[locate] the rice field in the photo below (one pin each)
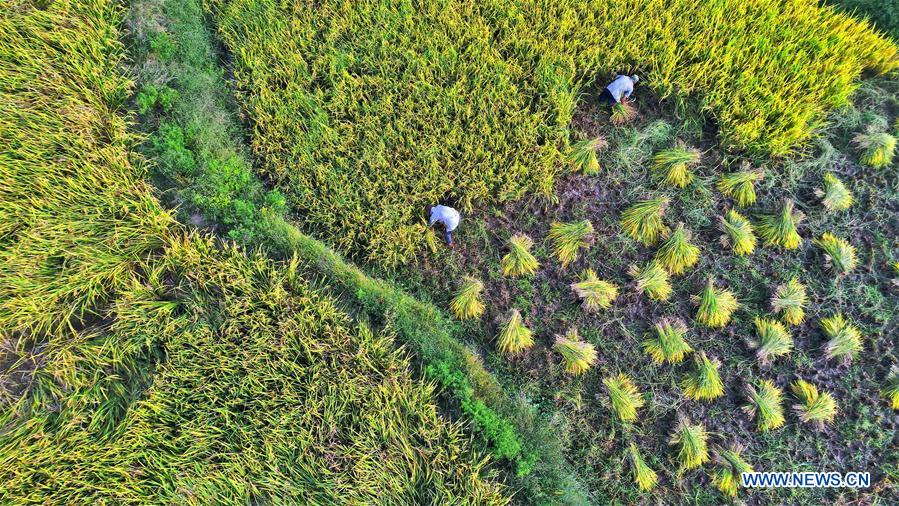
(362, 113)
(145, 364)
(642, 303)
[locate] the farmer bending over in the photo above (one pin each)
(620, 89)
(446, 215)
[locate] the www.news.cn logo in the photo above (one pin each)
(806, 480)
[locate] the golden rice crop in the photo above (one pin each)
(583, 155)
(519, 261)
(844, 338)
(714, 305)
(704, 382)
(568, 239)
(652, 280)
(774, 340)
(692, 444)
(677, 254)
(876, 149)
(740, 185)
(624, 398)
(815, 408)
(467, 303)
(765, 405)
(643, 220)
(739, 233)
(472, 101)
(834, 196)
(577, 356)
(790, 300)
(727, 479)
(673, 165)
(668, 344)
(514, 336)
(644, 476)
(890, 389)
(594, 292)
(839, 253)
(779, 229)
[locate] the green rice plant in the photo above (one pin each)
(624, 397)
(765, 405)
(652, 280)
(514, 336)
(739, 233)
(876, 149)
(780, 229)
(677, 254)
(519, 261)
(890, 390)
(714, 306)
(815, 408)
(774, 340)
(740, 185)
(727, 479)
(583, 155)
(790, 300)
(568, 239)
(667, 343)
(643, 220)
(692, 444)
(844, 339)
(577, 356)
(840, 255)
(703, 383)
(622, 113)
(673, 165)
(835, 196)
(644, 476)
(467, 303)
(594, 293)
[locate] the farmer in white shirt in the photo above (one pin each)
(619, 91)
(447, 216)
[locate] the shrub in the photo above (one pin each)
(624, 397)
(594, 292)
(835, 196)
(170, 147)
(568, 239)
(740, 186)
(667, 343)
(715, 306)
(877, 149)
(644, 476)
(839, 253)
(514, 336)
(676, 254)
(622, 114)
(814, 408)
(727, 479)
(467, 303)
(692, 444)
(790, 299)
(162, 45)
(583, 155)
(739, 233)
(780, 229)
(519, 261)
(844, 339)
(652, 280)
(774, 340)
(890, 390)
(673, 165)
(704, 383)
(643, 220)
(765, 405)
(577, 356)
(150, 96)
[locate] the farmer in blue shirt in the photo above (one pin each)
(447, 216)
(619, 91)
